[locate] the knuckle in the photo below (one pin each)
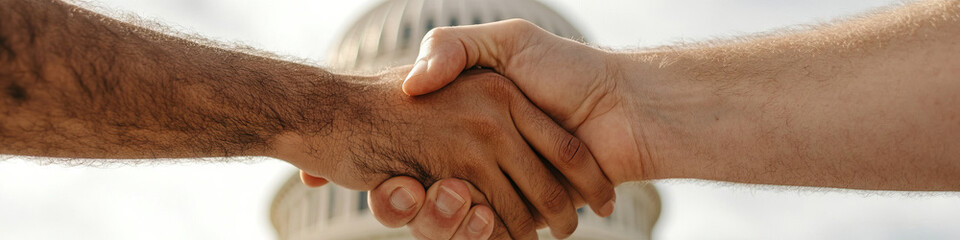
(519, 23)
(500, 87)
(500, 233)
(524, 26)
(571, 153)
(520, 226)
(493, 85)
(602, 191)
(440, 33)
(493, 81)
(555, 199)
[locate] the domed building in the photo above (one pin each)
(389, 35)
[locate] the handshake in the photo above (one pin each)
(547, 126)
(502, 158)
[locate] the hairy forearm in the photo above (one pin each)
(868, 102)
(80, 85)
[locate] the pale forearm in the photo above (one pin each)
(81, 85)
(865, 103)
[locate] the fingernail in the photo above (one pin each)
(448, 201)
(607, 209)
(401, 199)
(419, 68)
(477, 223)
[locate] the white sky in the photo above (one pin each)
(231, 200)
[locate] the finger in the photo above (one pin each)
(541, 188)
(575, 196)
(477, 226)
(447, 51)
(312, 181)
(567, 154)
(509, 209)
(446, 206)
(530, 175)
(396, 201)
(498, 229)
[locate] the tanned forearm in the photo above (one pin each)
(77, 84)
(869, 102)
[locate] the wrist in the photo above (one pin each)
(632, 76)
(673, 115)
(327, 112)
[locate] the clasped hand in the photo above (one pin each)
(519, 159)
(481, 129)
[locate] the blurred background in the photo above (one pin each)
(232, 200)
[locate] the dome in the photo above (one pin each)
(390, 33)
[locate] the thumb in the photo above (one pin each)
(442, 57)
(447, 51)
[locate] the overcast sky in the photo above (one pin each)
(231, 200)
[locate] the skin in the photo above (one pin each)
(864, 103)
(82, 86)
